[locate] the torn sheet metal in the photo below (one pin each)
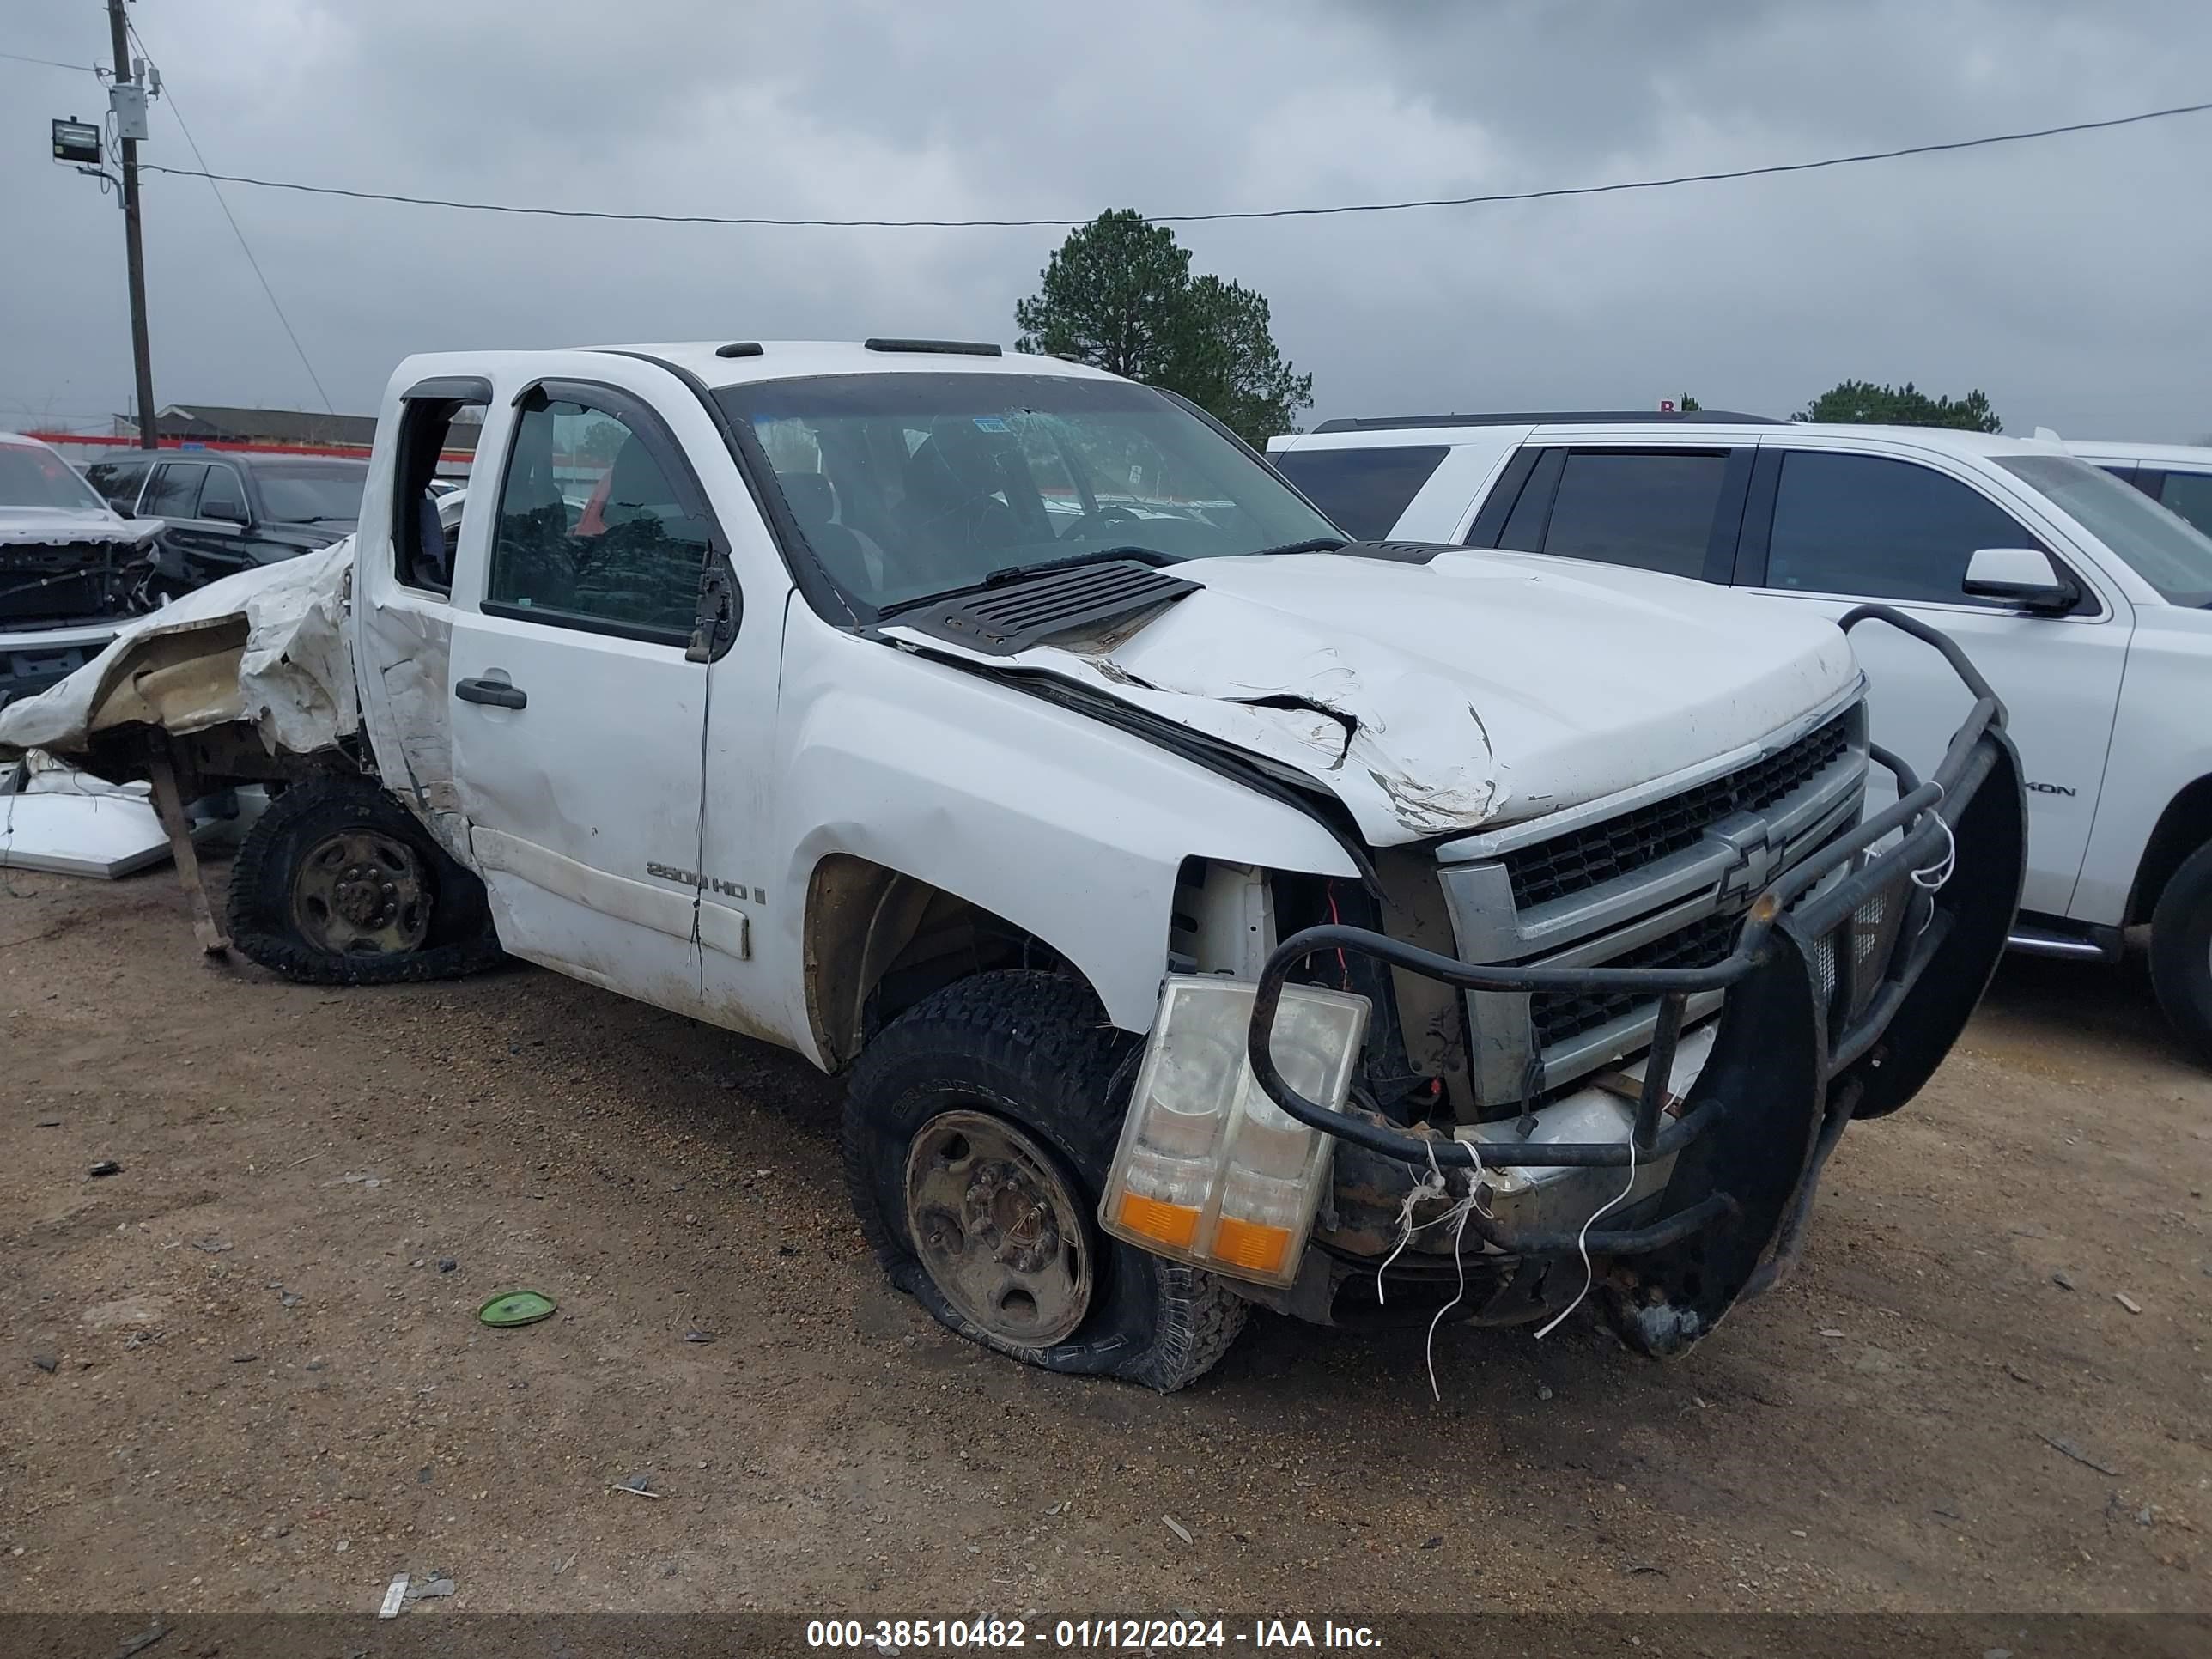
(1474, 690)
(267, 645)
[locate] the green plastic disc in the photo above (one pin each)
(516, 1308)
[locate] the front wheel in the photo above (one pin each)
(2181, 951)
(978, 1129)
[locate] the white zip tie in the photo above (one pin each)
(1433, 1185)
(1929, 878)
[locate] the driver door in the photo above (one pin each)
(578, 724)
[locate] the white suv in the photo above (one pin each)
(2081, 600)
(2178, 476)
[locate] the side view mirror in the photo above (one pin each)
(2024, 576)
(223, 515)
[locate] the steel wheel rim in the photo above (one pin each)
(362, 892)
(998, 1229)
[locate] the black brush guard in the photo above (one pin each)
(1841, 1004)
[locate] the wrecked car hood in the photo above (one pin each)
(1475, 690)
(267, 645)
(49, 527)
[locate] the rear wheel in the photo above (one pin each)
(2181, 951)
(979, 1127)
(337, 884)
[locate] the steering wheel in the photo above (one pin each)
(1115, 513)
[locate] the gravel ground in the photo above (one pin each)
(240, 1376)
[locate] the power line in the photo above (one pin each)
(1204, 218)
(170, 98)
(51, 62)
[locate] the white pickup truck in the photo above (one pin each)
(2087, 605)
(1201, 906)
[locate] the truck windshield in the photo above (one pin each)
(2165, 550)
(38, 477)
(907, 485)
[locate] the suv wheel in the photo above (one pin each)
(2181, 950)
(978, 1129)
(337, 884)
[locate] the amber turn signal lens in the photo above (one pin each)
(1252, 1245)
(1171, 1224)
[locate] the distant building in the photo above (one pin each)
(279, 428)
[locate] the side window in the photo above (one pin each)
(1364, 491)
(222, 496)
(426, 530)
(1524, 529)
(175, 491)
(1651, 508)
(2189, 495)
(118, 482)
(1876, 528)
(591, 531)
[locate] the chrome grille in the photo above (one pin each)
(1664, 884)
(1584, 858)
(1561, 1015)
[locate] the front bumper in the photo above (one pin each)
(33, 659)
(1851, 978)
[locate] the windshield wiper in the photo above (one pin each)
(1316, 544)
(1015, 573)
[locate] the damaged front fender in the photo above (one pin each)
(266, 647)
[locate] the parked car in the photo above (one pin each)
(2178, 476)
(2083, 601)
(1190, 898)
(69, 566)
(226, 510)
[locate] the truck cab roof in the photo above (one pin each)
(735, 362)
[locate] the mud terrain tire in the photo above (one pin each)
(1036, 1052)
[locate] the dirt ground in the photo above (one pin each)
(267, 1393)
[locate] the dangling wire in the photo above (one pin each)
(1582, 1242)
(1929, 878)
(1432, 1185)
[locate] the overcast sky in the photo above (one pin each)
(2066, 278)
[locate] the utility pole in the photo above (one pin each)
(142, 350)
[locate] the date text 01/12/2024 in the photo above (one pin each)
(1108, 1635)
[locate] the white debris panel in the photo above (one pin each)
(267, 645)
(55, 818)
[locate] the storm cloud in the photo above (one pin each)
(2066, 278)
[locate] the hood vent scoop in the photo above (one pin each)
(1011, 617)
(1397, 552)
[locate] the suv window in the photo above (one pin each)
(1365, 490)
(222, 495)
(118, 482)
(1877, 528)
(2190, 495)
(2163, 547)
(1651, 509)
(591, 531)
(175, 491)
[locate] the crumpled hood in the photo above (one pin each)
(47, 527)
(1477, 690)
